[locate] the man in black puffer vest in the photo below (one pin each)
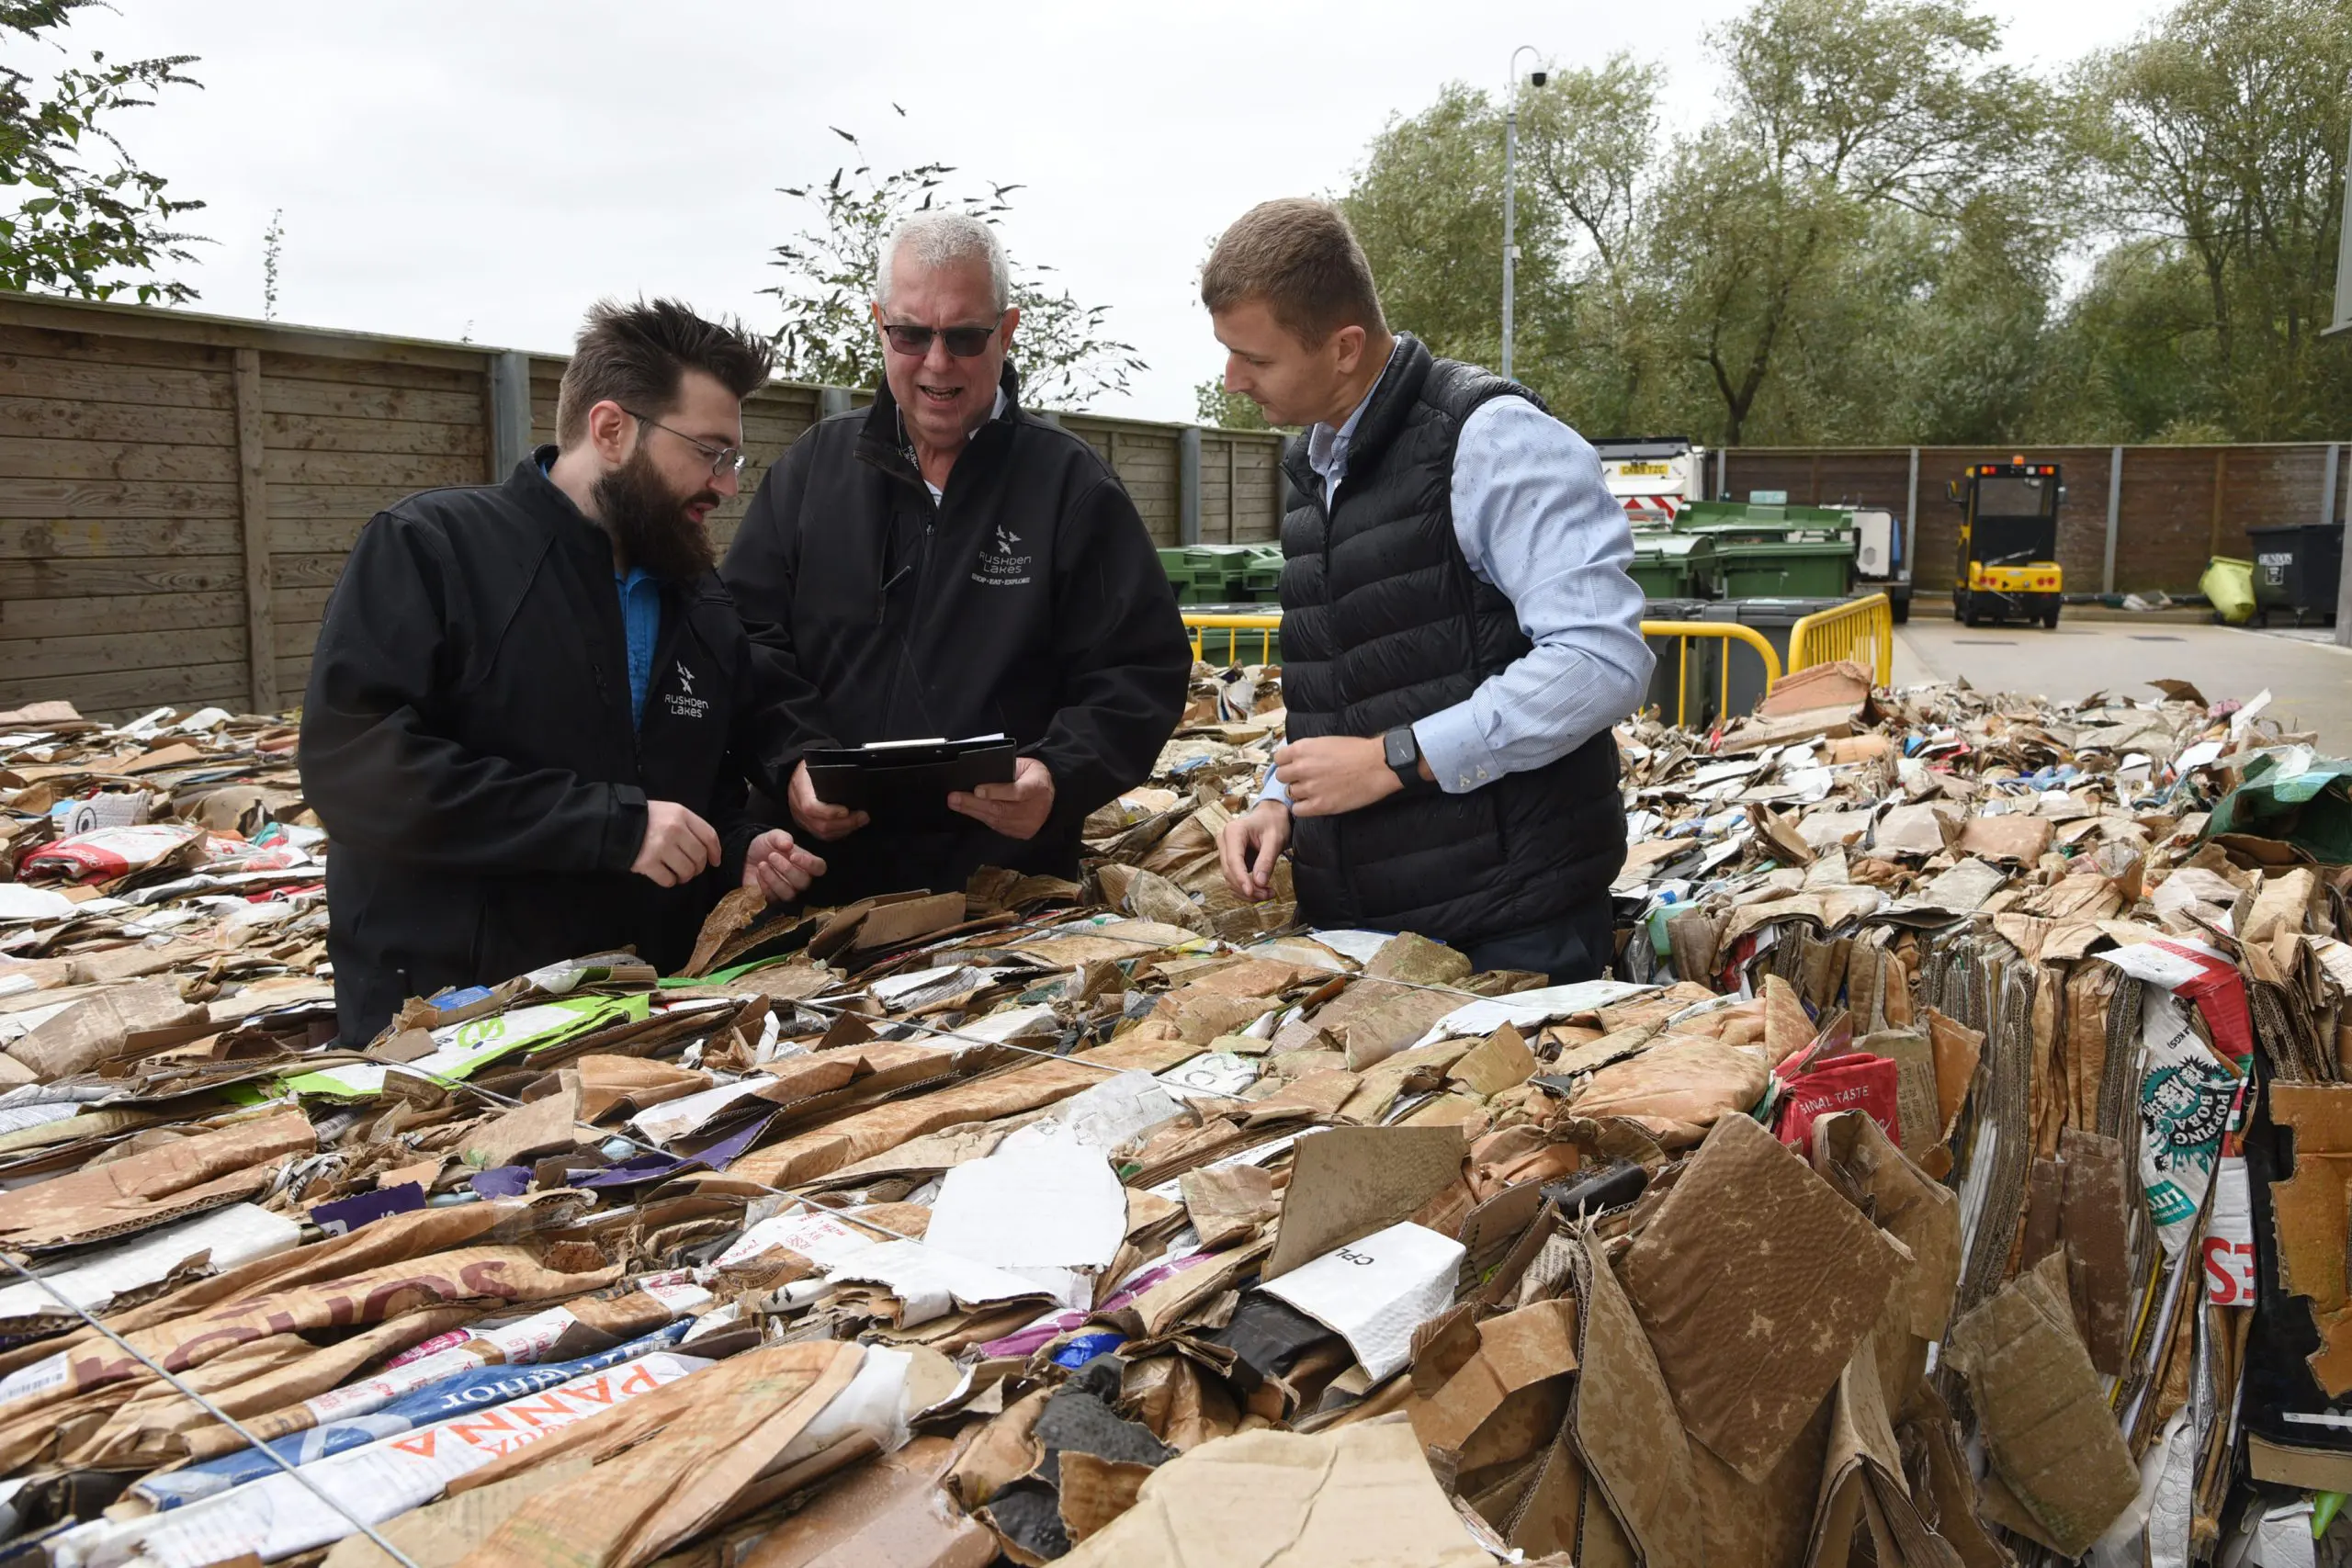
(1459, 630)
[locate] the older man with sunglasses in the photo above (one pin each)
(946, 564)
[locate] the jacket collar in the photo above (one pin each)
(529, 487)
(539, 499)
(1392, 400)
(883, 440)
(1374, 424)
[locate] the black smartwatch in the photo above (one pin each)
(1403, 751)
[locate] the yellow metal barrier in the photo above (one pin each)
(1264, 626)
(1862, 629)
(1726, 631)
(1197, 622)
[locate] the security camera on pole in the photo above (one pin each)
(1511, 154)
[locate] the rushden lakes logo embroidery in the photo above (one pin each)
(1002, 563)
(683, 704)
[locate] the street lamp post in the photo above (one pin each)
(1510, 156)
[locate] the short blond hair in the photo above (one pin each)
(1300, 257)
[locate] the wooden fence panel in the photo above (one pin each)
(326, 473)
(121, 578)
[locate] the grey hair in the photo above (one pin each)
(942, 238)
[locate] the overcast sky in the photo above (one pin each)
(488, 168)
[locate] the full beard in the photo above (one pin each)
(653, 525)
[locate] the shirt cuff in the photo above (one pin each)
(1458, 755)
(1273, 789)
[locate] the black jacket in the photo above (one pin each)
(467, 743)
(1383, 623)
(1027, 601)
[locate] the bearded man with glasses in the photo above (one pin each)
(532, 720)
(946, 564)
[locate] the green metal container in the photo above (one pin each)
(1746, 520)
(1785, 569)
(1674, 566)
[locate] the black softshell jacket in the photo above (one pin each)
(1028, 600)
(467, 743)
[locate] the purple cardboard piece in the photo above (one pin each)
(501, 1181)
(347, 1214)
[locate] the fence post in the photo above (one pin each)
(1280, 489)
(2327, 514)
(510, 412)
(831, 400)
(2114, 516)
(1911, 524)
(252, 497)
(1723, 484)
(1188, 485)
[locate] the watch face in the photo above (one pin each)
(1402, 751)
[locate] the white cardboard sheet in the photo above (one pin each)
(1376, 1291)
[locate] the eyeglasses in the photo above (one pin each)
(964, 343)
(723, 459)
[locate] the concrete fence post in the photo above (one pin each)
(831, 400)
(2332, 476)
(2114, 517)
(1911, 524)
(510, 412)
(1188, 484)
(253, 504)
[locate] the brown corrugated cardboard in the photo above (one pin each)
(1625, 1428)
(1755, 1281)
(1362, 1494)
(2046, 1423)
(1351, 1181)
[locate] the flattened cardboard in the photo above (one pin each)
(100, 1026)
(1266, 1499)
(1501, 1061)
(2095, 1221)
(171, 1181)
(1227, 1203)
(1755, 1281)
(1852, 1153)
(1626, 1431)
(2013, 838)
(2045, 1420)
(440, 1535)
(1515, 1352)
(1915, 1086)
(1348, 1182)
(890, 1513)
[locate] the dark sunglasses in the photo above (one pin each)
(964, 343)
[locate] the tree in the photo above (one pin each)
(832, 267)
(87, 219)
(1838, 112)
(273, 242)
(2218, 138)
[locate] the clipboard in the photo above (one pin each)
(905, 782)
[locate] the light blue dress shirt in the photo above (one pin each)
(1534, 519)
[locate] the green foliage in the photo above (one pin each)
(1865, 243)
(86, 220)
(2217, 144)
(830, 268)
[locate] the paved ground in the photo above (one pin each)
(2309, 679)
